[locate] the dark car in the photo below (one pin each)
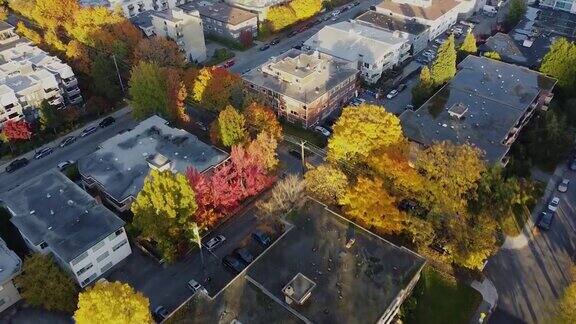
(545, 221)
(67, 141)
(16, 164)
(107, 122)
(88, 130)
(292, 33)
(261, 237)
(295, 153)
(233, 263)
(356, 3)
(160, 313)
(401, 87)
(244, 255)
(43, 152)
(264, 47)
(275, 41)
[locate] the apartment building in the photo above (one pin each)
(564, 5)
(117, 170)
(304, 87)
(259, 7)
(10, 266)
(372, 50)
(224, 21)
(55, 216)
(132, 8)
(185, 28)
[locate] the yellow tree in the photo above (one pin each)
(566, 307)
(89, 21)
(372, 206)
(305, 8)
(264, 148)
(229, 127)
(469, 44)
(261, 118)
(55, 13)
(28, 33)
(214, 88)
(361, 131)
(327, 183)
(112, 302)
(279, 17)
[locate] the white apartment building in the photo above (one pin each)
(10, 266)
(55, 216)
(372, 50)
(185, 28)
(259, 7)
(132, 8)
(564, 5)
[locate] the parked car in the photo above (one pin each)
(88, 130)
(233, 263)
(409, 107)
(295, 153)
(264, 47)
(357, 101)
(392, 94)
(107, 122)
(356, 3)
(553, 205)
(545, 221)
(16, 164)
(67, 141)
(292, 33)
(573, 165)
(201, 125)
(195, 286)
(65, 164)
(161, 313)
(214, 242)
(275, 41)
(261, 237)
(43, 152)
(401, 87)
(563, 186)
(244, 255)
(322, 130)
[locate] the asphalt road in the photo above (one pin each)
(530, 280)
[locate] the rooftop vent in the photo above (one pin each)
(298, 290)
(458, 110)
(158, 162)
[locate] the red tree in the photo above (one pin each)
(17, 130)
(246, 38)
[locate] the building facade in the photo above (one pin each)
(185, 28)
(55, 216)
(259, 7)
(304, 87)
(564, 5)
(10, 267)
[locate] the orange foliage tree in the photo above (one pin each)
(215, 87)
(261, 118)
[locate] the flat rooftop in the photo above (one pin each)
(391, 23)
(220, 11)
(5, 26)
(331, 72)
(496, 96)
(120, 165)
(437, 9)
(10, 263)
(51, 208)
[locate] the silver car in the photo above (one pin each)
(214, 242)
(563, 186)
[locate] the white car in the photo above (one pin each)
(392, 94)
(553, 205)
(322, 130)
(64, 164)
(563, 186)
(196, 287)
(214, 242)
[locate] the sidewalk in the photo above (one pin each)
(490, 299)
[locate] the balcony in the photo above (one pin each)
(72, 91)
(74, 100)
(55, 101)
(70, 82)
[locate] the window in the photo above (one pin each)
(98, 246)
(79, 258)
(119, 245)
(88, 280)
(102, 256)
(43, 245)
(86, 268)
(106, 267)
(116, 234)
(2, 302)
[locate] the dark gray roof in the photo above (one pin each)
(143, 20)
(120, 165)
(10, 263)
(219, 11)
(497, 96)
(392, 23)
(511, 48)
(5, 26)
(51, 208)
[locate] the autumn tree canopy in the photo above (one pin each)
(327, 183)
(214, 88)
(444, 67)
(261, 118)
(16, 130)
(230, 127)
(159, 50)
(148, 92)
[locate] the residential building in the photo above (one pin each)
(259, 7)
(117, 170)
(303, 87)
(185, 28)
(416, 33)
(564, 5)
(223, 21)
(372, 50)
(527, 52)
(10, 266)
(55, 216)
(132, 8)
(324, 269)
(485, 105)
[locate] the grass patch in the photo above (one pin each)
(307, 135)
(435, 299)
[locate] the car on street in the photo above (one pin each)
(563, 186)
(357, 101)
(201, 125)
(261, 237)
(16, 164)
(401, 87)
(295, 153)
(322, 130)
(64, 164)
(215, 241)
(409, 107)
(43, 152)
(356, 3)
(573, 165)
(160, 313)
(233, 263)
(264, 47)
(88, 130)
(545, 221)
(292, 33)
(107, 122)
(244, 255)
(228, 64)
(195, 286)
(392, 94)
(553, 205)
(275, 41)
(67, 141)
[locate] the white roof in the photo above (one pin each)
(349, 39)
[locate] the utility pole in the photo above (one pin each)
(118, 72)
(302, 143)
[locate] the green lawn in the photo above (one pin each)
(437, 300)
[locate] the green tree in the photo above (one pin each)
(444, 67)
(44, 284)
(230, 128)
(327, 183)
(148, 91)
(105, 80)
(493, 55)
(550, 138)
(472, 240)
(424, 89)
(515, 13)
(560, 63)
(163, 209)
(49, 118)
(494, 194)
(469, 44)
